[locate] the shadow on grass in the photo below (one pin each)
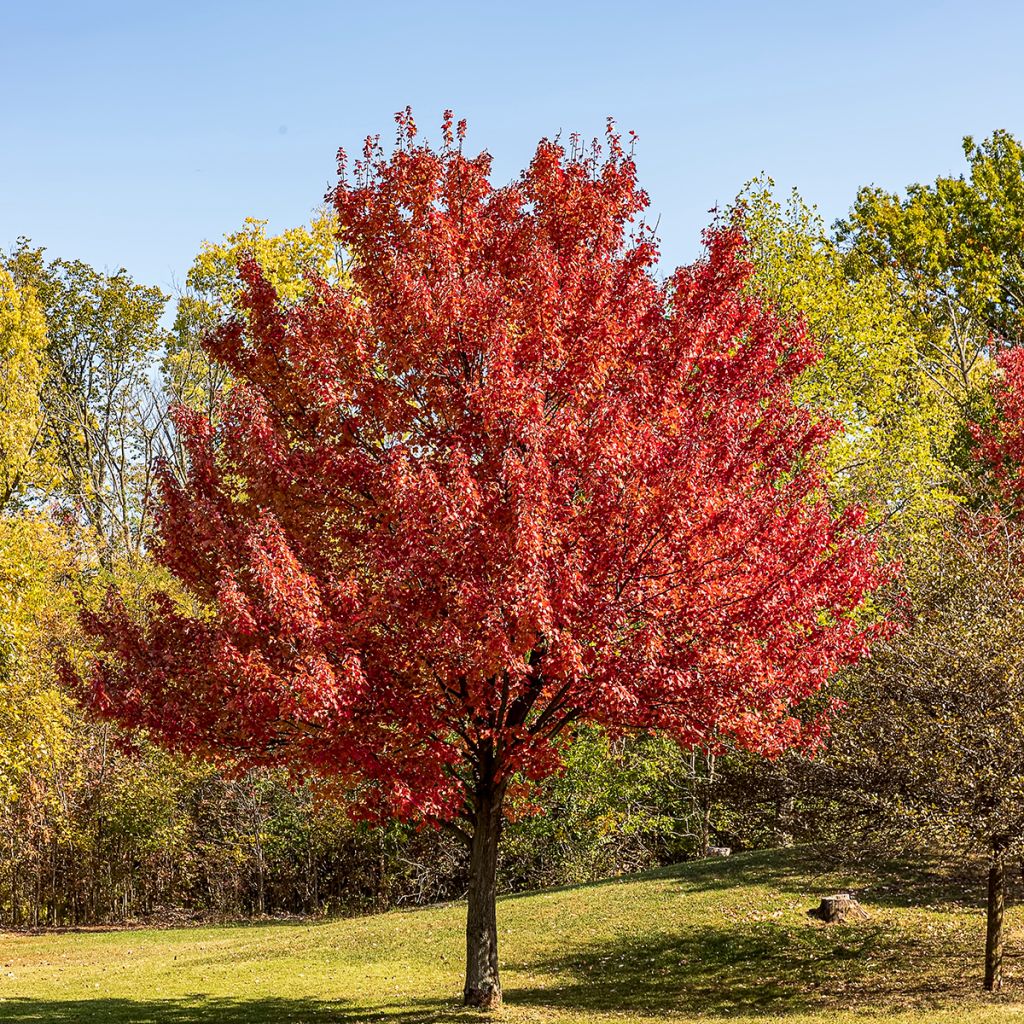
(204, 1010)
(768, 968)
(199, 1010)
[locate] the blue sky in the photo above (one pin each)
(132, 131)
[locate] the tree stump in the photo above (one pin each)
(837, 908)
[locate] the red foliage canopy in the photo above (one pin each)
(508, 481)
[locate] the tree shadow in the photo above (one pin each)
(929, 882)
(195, 1010)
(763, 968)
(212, 1010)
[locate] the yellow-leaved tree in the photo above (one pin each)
(33, 560)
(22, 371)
(896, 453)
(290, 260)
(37, 618)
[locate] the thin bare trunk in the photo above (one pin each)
(996, 907)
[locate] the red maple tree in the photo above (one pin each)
(507, 481)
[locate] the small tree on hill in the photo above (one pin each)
(506, 482)
(930, 746)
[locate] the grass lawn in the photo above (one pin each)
(716, 940)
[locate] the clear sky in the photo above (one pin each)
(132, 131)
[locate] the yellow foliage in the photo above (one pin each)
(896, 453)
(37, 616)
(288, 260)
(22, 371)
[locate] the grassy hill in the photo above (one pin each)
(716, 940)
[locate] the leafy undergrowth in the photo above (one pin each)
(716, 940)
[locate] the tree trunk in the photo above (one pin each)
(483, 988)
(261, 901)
(996, 906)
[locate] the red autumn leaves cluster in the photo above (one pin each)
(1000, 443)
(507, 481)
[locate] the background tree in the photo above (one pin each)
(899, 425)
(213, 291)
(36, 609)
(929, 745)
(928, 750)
(619, 805)
(953, 250)
(104, 416)
(507, 483)
(22, 374)
(878, 294)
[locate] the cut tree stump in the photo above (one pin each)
(837, 908)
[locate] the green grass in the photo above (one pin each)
(716, 940)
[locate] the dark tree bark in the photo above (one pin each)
(483, 987)
(996, 907)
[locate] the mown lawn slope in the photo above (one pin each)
(716, 940)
